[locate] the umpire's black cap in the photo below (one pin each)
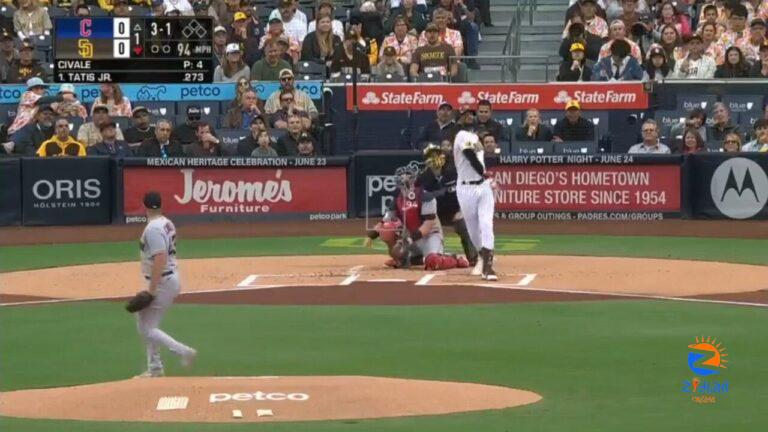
(152, 200)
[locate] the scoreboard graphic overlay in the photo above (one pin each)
(133, 50)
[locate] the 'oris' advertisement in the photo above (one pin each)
(66, 191)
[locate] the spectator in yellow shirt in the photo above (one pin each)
(61, 143)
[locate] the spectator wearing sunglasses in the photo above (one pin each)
(301, 100)
(279, 120)
(185, 133)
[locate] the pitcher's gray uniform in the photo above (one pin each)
(159, 237)
(475, 196)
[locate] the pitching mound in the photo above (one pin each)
(259, 399)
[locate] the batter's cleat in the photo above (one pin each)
(391, 263)
(478, 269)
(462, 262)
(188, 359)
(490, 275)
(152, 374)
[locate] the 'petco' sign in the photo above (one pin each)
(427, 96)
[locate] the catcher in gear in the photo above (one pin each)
(439, 180)
(412, 230)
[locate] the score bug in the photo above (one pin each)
(133, 50)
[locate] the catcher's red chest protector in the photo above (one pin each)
(409, 209)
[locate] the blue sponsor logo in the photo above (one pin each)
(10, 94)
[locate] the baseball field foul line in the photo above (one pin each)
(625, 295)
(248, 281)
(426, 278)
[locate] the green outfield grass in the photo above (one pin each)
(613, 366)
(601, 366)
(725, 250)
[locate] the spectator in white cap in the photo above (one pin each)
(233, 68)
(219, 45)
(301, 100)
(294, 24)
(276, 31)
(71, 107)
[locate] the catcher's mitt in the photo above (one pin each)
(140, 301)
(401, 253)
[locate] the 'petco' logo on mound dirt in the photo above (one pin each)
(258, 396)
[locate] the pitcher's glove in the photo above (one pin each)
(140, 301)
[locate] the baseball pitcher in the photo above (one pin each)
(158, 265)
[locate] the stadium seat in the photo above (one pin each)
(122, 122)
(532, 148)
(509, 118)
(390, 78)
(40, 55)
(7, 113)
(714, 146)
(7, 11)
(229, 139)
(749, 118)
(575, 147)
(54, 11)
(74, 125)
(347, 78)
(159, 108)
(341, 14)
(550, 118)
(743, 103)
(47, 70)
(42, 41)
(600, 119)
(687, 102)
(139, 11)
(429, 77)
(210, 108)
(97, 11)
(309, 70)
(667, 119)
(276, 134)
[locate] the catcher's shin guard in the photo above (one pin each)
(435, 261)
(469, 249)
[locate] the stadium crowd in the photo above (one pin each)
(395, 40)
(629, 40)
(258, 38)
